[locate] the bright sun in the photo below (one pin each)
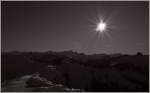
(101, 26)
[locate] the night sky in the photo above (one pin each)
(63, 25)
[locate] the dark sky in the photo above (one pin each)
(63, 25)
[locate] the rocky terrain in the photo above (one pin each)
(74, 72)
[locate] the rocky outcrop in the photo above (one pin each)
(42, 85)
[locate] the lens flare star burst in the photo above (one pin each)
(101, 26)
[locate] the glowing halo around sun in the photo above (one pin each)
(101, 27)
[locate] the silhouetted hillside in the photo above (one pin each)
(92, 73)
